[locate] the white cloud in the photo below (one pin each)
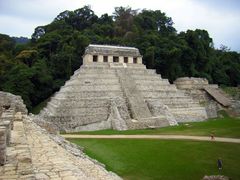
(15, 26)
(19, 18)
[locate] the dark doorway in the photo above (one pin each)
(125, 59)
(115, 59)
(135, 60)
(105, 58)
(95, 58)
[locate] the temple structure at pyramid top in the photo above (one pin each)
(110, 54)
(114, 90)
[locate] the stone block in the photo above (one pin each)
(7, 125)
(3, 139)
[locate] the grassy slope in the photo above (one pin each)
(164, 159)
(225, 127)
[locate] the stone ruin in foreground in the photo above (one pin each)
(114, 90)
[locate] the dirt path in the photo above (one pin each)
(197, 138)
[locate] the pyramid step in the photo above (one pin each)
(89, 84)
(97, 71)
(189, 114)
(162, 94)
(92, 81)
(170, 97)
(92, 94)
(82, 111)
(136, 66)
(87, 102)
(146, 77)
(74, 121)
(95, 65)
(89, 88)
(156, 88)
(96, 75)
(154, 122)
(152, 82)
(141, 71)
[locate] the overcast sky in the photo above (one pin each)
(221, 18)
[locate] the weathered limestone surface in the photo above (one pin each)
(119, 94)
(29, 152)
(18, 160)
(142, 99)
(218, 96)
(6, 125)
(8, 100)
(3, 145)
(53, 161)
(35, 154)
(209, 95)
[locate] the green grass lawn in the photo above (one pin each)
(223, 127)
(163, 159)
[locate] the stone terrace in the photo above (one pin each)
(32, 153)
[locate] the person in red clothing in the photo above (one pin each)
(212, 136)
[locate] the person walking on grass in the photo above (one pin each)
(219, 163)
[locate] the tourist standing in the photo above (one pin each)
(219, 163)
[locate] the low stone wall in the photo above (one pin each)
(9, 104)
(6, 124)
(3, 144)
(192, 83)
(194, 87)
(8, 100)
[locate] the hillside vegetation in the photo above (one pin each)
(37, 69)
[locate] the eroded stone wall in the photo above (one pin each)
(8, 100)
(194, 87)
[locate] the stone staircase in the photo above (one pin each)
(141, 117)
(83, 103)
(219, 96)
(156, 90)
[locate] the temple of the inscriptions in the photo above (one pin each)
(113, 89)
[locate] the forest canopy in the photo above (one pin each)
(38, 68)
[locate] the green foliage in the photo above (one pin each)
(163, 159)
(55, 50)
(232, 91)
(18, 81)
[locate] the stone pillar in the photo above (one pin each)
(9, 115)
(139, 60)
(121, 60)
(110, 59)
(130, 60)
(2, 145)
(100, 58)
(7, 125)
(88, 58)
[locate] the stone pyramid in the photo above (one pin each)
(114, 90)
